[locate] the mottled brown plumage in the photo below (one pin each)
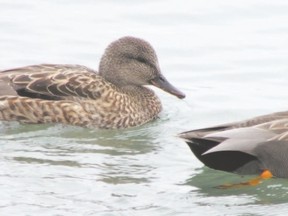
(77, 95)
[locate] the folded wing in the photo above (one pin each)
(54, 82)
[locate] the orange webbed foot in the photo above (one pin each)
(266, 174)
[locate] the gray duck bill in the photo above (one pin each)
(162, 83)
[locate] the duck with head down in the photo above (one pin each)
(116, 97)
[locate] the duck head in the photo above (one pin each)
(132, 61)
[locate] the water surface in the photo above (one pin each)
(229, 57)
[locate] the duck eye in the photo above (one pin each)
(140, 59)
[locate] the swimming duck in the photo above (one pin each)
(116, 97)
(254, 146)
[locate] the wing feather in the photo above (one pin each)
(57, 81)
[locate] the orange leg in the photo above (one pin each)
(266, 174)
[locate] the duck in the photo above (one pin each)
(115, 97)
(256, 146)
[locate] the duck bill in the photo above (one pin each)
(163, 84)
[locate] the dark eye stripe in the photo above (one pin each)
(141, 59)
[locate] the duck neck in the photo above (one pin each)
(146, 99)
(137, 91)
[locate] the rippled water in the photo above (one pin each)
(229, 57)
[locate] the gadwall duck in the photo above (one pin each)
(255, 146)
(116, 97)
